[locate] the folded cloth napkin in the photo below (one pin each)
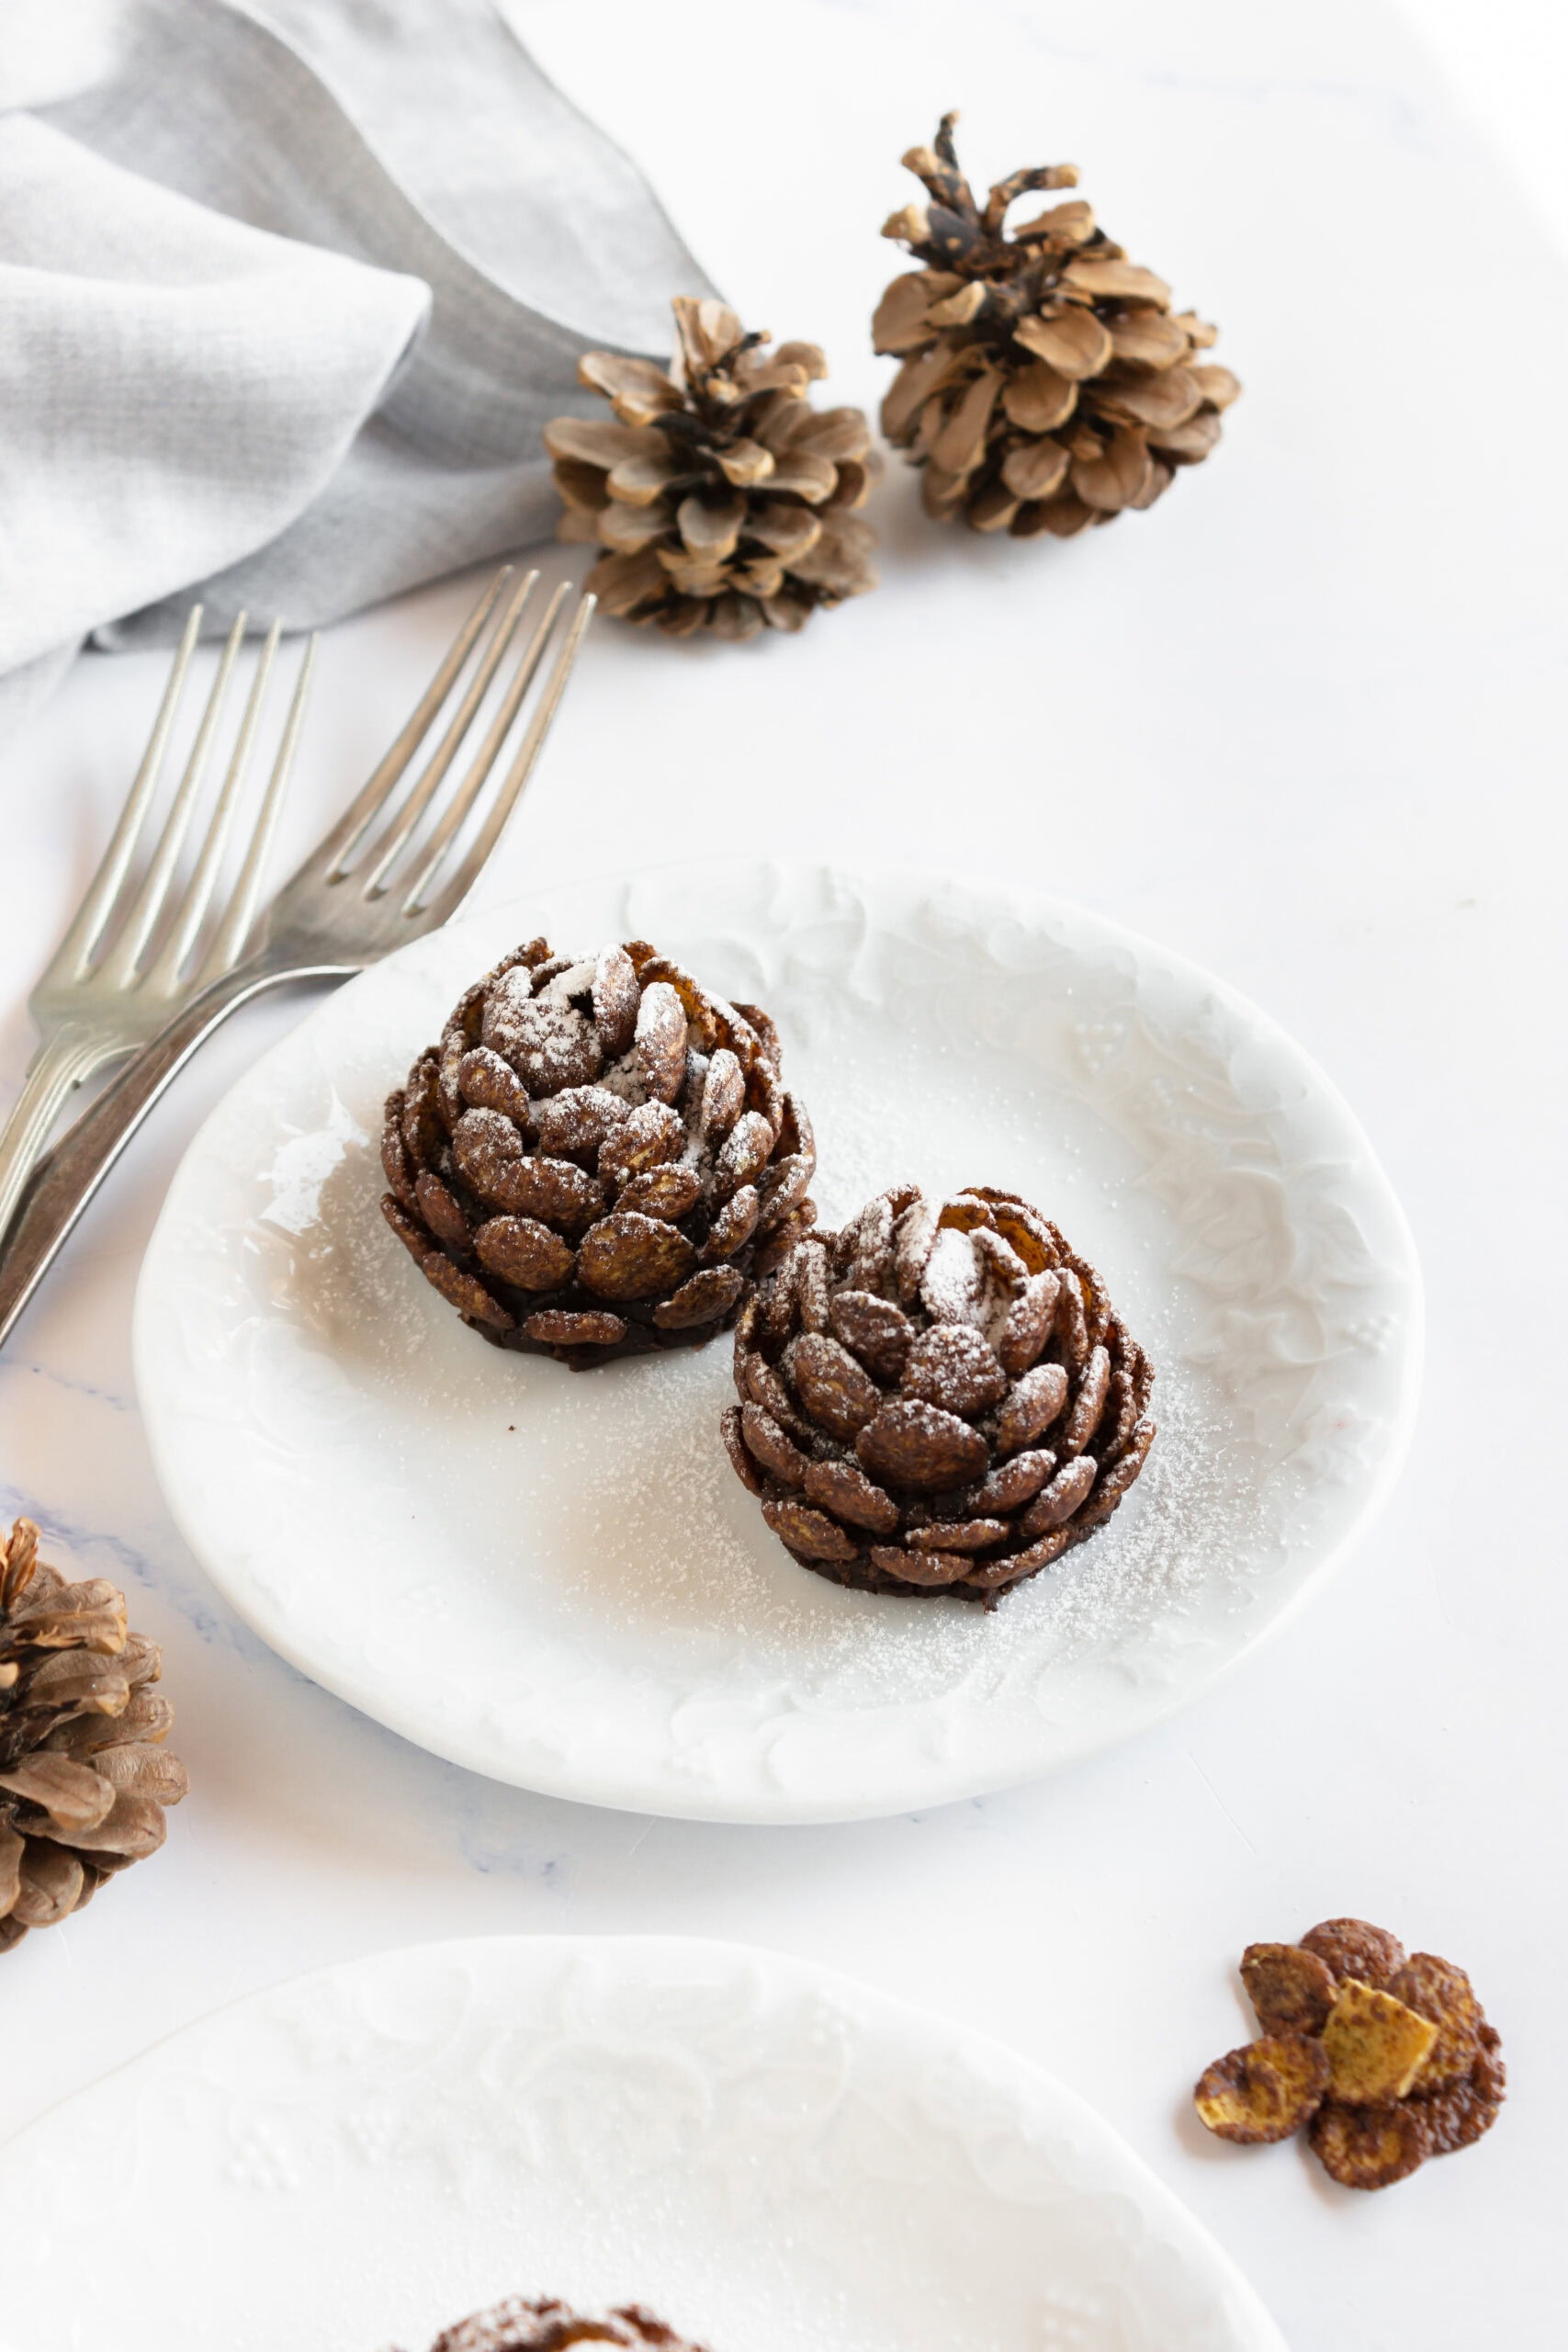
(287, 291)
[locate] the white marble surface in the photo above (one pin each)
(1306, 723)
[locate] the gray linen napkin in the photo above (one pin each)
(288, 290)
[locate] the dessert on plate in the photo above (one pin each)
(940, 1398)
(598, 1155)
(517, 2325)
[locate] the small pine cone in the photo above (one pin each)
(1045, 384)
(597, 1156)
(83, 1780)
(724, 498)
(938, 1398)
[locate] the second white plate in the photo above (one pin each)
(556, 1579)
(766, 2154)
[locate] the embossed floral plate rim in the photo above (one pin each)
(1284, 1229)
(773, 2154)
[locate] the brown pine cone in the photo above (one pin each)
(597, 1156)
(723, 497)
(83, 1778)
(938, 1398)
(518, 2325)
(1045, 385)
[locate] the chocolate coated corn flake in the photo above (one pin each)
(1460, 2114)
(1437, 1989)
(1264, 2091)
(1376, 2046)
(1355, 1948)
(1370, 2147)
(1291, 1989)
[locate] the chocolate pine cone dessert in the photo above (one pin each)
(597, 1156)
(83, 1779)
(517, 2325)
(938, 1400)
(1045, 384)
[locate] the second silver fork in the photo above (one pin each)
(113, 982)
(362, 893)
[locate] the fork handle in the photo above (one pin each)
(61, 1063)
(71, 1175)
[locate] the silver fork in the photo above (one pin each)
(108, 989)
(374, 883)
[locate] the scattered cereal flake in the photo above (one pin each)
(1291, 1989)
(1370, 2147)
(1376, 2046)
(1435, 1988)
(1355, 1948)
(1264, 2091)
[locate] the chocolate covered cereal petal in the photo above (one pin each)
(732, 1227)
(1355, 1948)
(808, 1531)
(560, 1328)
(702, 1299)
(667, 1191)
(767, 1443)
(1439, 1991)
(952, 1365)
(524, 1252)
(661, 1041)
(1032, 1404)
(1291, 1989)
(735, 1445)
(1376, 2045)
(833, 1389)
(879, 1332)
(1264, 2091)
(849, 1494)
(1370, 2147)
(1466, 2112)
(915, 1444)
(630, 1256)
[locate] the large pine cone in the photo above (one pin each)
(722, 495)
(940, 1398)
(1045, 385)
(83, 1778)
(597, 1156)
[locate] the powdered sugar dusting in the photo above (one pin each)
(372, 1480)
(623, 1532)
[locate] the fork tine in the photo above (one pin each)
(121, 962)
(368, 802)
(165, 968)
(87, 927)
(451, 744)
(235, 929)
(518, 776)
(484, 759)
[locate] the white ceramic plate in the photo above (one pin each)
(769, 2156)
(556, 1578)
